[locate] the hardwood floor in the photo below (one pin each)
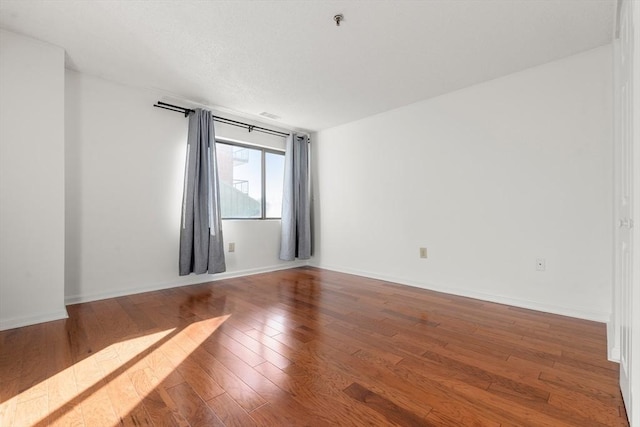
(307, 347)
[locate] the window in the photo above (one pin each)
(251, 180)
(274, 175)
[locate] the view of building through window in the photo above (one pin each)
(242, 171)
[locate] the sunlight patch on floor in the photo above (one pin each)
(119, 376)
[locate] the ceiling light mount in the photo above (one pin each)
(338, 18)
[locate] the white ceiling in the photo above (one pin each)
(288, 57)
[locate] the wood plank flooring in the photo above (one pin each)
(307, 347)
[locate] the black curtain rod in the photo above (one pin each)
(187, 111)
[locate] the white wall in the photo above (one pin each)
(125, 165)
(31, 181)
(488, 178)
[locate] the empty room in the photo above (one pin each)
(319, 213)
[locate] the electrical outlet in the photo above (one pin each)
(541, 264)
(423, 252)
(232, 247)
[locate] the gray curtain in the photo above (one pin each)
(201, 244)
(296, 204)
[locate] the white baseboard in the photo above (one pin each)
(189, 280)
(613, 355)
(18, 322)
(516, 302)
(613, 345)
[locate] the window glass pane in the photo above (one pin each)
(239, 171)
(274, 176)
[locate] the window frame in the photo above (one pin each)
(263, 185)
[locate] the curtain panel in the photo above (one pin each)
(296, 203)
(201, 243)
